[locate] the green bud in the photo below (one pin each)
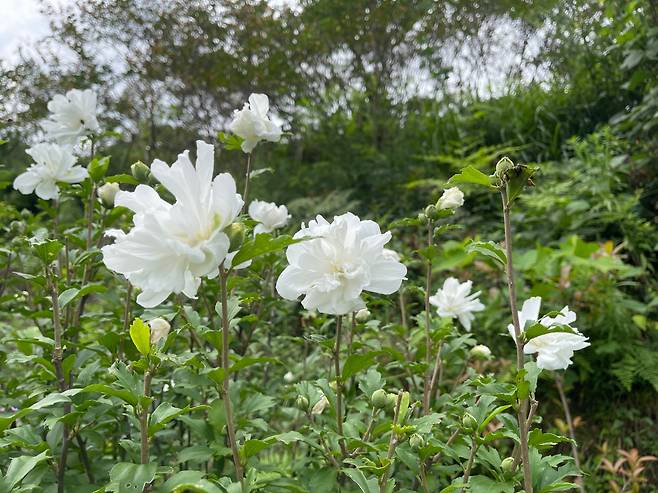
(236, 233)
(17, 227)
(107, 192)
(503, 166)
(302, 403)
(422, 217)
(416, 441)
(469, 423)
(432, 212)
(379, 399)
(391, 401)
(508, 465)
(140, 172)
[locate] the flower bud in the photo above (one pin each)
(508, 465)
(289, 377)
(480, 352)
(432, 212)
(451, 199)
(379, 399)
(107, 193)
(140, 172)
(333, 385)
(236, 234)
(159, 329)
(422, 217)
(391, 401)
(469, 423)
(503, 166)
(17, 227)
(320, 406)
(362, 315)
(302, 403)
(416, 441)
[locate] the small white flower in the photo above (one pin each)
(344, 258)
(172, 246)
(320, 406)
(289, 377)
(159, 329)
(108, 192)
(52, 164)
(481, 351)
(269, 216)
(451, 199)
(455, 300)
(252, 124)
(554, 350)
(71, 116)
(362, 315)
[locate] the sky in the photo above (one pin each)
(22, 23)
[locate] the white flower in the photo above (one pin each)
(320, 406)
(159, 329)
(362, 315)
(344, 258)
(52, 164)
(108, 192)
(269, 216)
(554, 350)
(455, 300)
(71, 116)
(451, 199)
(480, 351)
(252, 124)
(172, 246)
(289, 377)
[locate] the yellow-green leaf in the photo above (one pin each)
(141, 336)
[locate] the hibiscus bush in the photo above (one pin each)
(165, 331)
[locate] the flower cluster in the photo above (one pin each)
(172, 246)
(337, 262)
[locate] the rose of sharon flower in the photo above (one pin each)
(172, 246)
(71, 116)
(159, 329)
(52, 164)
(107, 193)
(269, 216)
(451, 199)
(344, 258)
(455, 301)
(554, 350)
(252, 124)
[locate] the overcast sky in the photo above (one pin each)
(21, 23)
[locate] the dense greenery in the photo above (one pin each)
(382, 102)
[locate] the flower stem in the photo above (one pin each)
(572, 434)
(247, 175)
(523, 404)
(339, 386)
(144, 419)
(428, 340)
(230, 427)
(392, 443)
(471, 459)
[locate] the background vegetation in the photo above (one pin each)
(384, 100)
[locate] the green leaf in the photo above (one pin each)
(469, 174)
(531, 375)
(518, 178)
(47, 250)
(124, 395)
(188, 481)
(542, 441)
(231, 141)
(482, 484)
(140, 333)
(492, 415)
(123, 178)
(356, 363)
(538, 329)
(404, 407)
(488, 249)
(165, 413)
(365, 485)
(19, 467)
(263, 243)
(132, 477)
(558, 486)
(98, 167)
(67, 296)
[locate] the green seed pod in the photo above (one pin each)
(469, 423)
(236, 233)
(302, 403)
(416, 441)
(508, 465)
(379, 399)
(140, 172)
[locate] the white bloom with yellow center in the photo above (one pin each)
(172, 246)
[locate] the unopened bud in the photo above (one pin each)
(469, 423)
(140, 172)
(302, 403)
(320, 406)
(107, 193)
(289, 377)
(362, 315)
(452, 198)
(422, 217)
(17, 227)
(236, 233)
(159, 329)
(480, 352)
(379, 399)
(416, 441)
(503, 166)
(508, 465)
(432, 212)
(391, 401)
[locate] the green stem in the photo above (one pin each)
(428, 340)
(339, 386)
(247, 175)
